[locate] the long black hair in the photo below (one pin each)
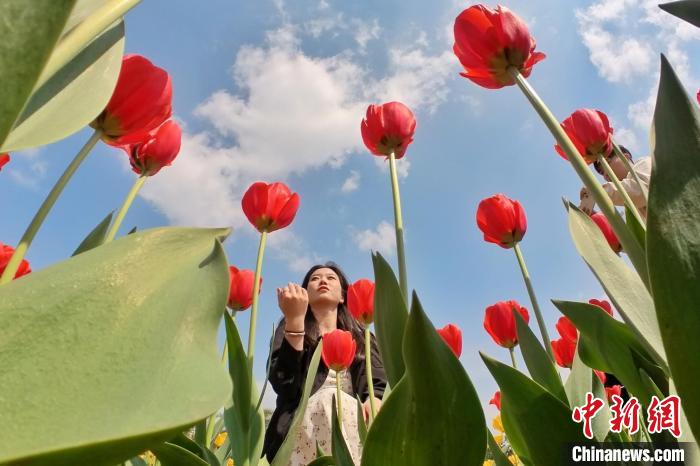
(345, 320)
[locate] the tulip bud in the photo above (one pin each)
(591, 133)
(567, 329)
(607, 231)
(564, 350)
(502, 220)
(496, 400)
(158, 150)
(499, 322)
(388, 127)
(361, 301)
(603, 304)
(240, 295)
(5, 256)
(338, 350)
(270, 207)
(4, 159)
(452, 335)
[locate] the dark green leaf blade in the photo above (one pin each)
(96, 237)
(433, 415)
(341, 454)
(390, 315)
(688, 10)
(499, 457)
(673, 235)
(170, 454)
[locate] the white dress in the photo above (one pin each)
(317, 423)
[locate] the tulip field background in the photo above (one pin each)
(276, 91)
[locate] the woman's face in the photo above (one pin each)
(324, 288)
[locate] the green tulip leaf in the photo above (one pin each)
(29, 31)
(673, 235)
(242, 418)
(526, 402)
(620, 282)
(637, 229)
(538, 362)
(688, 10)
(582, 380)
(433, 415)
(72, 97)
(130, 339)
(499, 457)
(284, 453)
(341, 454)
(96, 237)
(170, 454)
(390, 315)
(608, 345)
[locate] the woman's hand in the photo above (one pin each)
(293, 301)
(367, 409)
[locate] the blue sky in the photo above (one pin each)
(276, 90)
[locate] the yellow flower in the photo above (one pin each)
(513, 459)
(229, 462)
(497, 424)
(489, 463)
(498, 438)
(220, 439)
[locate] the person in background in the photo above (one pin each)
(642, 167)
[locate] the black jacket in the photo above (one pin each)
(288, 368)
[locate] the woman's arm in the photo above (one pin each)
(285, 365)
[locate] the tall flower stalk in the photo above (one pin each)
(124, 208)
(338, 353)
(45, 208)
(360, 302)
(398, 226)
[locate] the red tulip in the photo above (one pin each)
(4, 159)
(240, 295)
(607, 231)
(452, 335)
(614, 390)
(388, 127)
(142, 101)
(496, 400)
(488, 42)
(270, 207)
(5, 256)
(361, 300)
(339, 348)
(502, 220)
(499, 322)
(590, 132)
(158, 150)
(567, 329)
(564, 351)
(603, 304)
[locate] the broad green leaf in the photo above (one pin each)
(433, 415)
(516, 439)
(72, 97)
(181, 440)
(538, 362)
(361, 424)
(29, 32)
(608, 345)
(246, 424)
(200, 432)
(284, 453)
(124, 329)
(341, 454)
(673, 235)
(582, 380)
(499, 457)
(620, 282)
(688, 10)
(170, 454)
(390, 315)
(528, 404)
(96, 237)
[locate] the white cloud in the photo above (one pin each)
(402, 165)
(290, 248)
(352, 182)
(382, 239)
(28, 168)
(292, 113)
(364, 32)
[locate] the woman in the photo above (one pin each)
(311, 310)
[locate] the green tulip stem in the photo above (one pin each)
(533, 300)
(254, 309)
(628, 165)
(124, 208)
(512, 357)
(40, 216)
(338, 381)
(212, 418)
(621, 189)
(626, 237)
(75, 41)
(398, 225)
(368, 365)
